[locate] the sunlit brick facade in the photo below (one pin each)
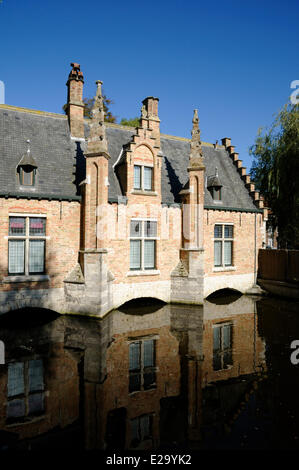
(127, 213)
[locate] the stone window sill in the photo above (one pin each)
(222, 269)
(148, 272)
(31, 278)
(32, 420)
(144, 193)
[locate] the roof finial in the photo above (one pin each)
(99, 88)
(97, 142)
(196, 155)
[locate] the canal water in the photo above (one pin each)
(152, 376)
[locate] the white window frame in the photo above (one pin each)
(224, 239)
(222, 350)
(142, 188)
(27, 238)
(142, 239)
(143, 369)
(27, 393)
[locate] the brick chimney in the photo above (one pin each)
(75, 106)
(149, 117)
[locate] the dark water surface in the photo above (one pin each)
(159, 377)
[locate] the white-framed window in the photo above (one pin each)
(222, 346)
(143, 235)
(25, 390)
(142, 361)
(26, 245)
(143, 177)
(223, 245)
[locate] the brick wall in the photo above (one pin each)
(62, 243)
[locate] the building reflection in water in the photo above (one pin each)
(171, 376)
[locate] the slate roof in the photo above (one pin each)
(61, 163)
(51, 147)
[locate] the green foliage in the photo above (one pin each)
(133, 122)
(275, 171)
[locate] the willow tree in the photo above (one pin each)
(275, 171)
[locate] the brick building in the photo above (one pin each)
(95, 214)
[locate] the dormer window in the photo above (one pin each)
(216, 193)
(27, 175)
(27, 169)
(214, 186)
(143, 177)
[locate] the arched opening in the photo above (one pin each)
(141, 306)
(27, 317)
(224, 296)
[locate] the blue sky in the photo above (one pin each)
(233, 60)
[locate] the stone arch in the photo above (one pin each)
(225, 291)
(147, 157)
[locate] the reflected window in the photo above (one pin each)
(141, 430)
(142, 371)
(222, 346)
(25, 390)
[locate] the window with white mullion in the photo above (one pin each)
(143, 234)
(143, 177)
(223, 245)
(26, 245)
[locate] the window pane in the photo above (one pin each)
(135, 228)
(147, 175)
(217, 253)
(27, 176)
(217, 194)
(36, 375)
(218, 231)
(217, 361)
(145, 427)
(227, 253)
(16, 408)
(16, 225)
(135, 254)
(134, 356)
(228, 231)
(135, 429)
(36, 256)
(37, 226)
(150, 229)
(216, 338)
(15, 382)
(148, 353)
(149, 254)
(16, 256)
(227, 359)
(227, 330)
(149, 380)
(134, 382)
(36, 403)
(137, 177)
